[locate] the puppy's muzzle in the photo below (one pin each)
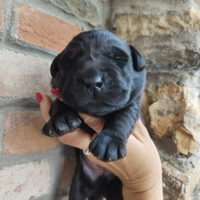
(92, 80)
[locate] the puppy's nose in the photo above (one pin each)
(95, 82)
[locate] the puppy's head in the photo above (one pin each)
(97, 73)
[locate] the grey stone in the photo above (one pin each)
(85, 10)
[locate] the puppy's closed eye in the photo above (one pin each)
(117, 55)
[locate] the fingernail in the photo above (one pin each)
(55, 93)
(143, 90)
(39, 97)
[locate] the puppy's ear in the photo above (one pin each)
(138, 60)
(54, 66)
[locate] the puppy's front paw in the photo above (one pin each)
(61, 124)
(107, 148)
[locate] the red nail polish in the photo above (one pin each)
(39, 97)
(143, 90)
(55, 93)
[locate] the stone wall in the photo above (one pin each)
(31, 35)
(167, 35)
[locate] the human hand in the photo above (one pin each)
(140, 170)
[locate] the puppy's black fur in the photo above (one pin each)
(100, 75)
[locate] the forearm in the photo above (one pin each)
(154, 193)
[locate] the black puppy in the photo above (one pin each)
(100, 75)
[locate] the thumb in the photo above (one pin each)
(79, 138)
(95, 123)
(45, 105)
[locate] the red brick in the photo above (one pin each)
(68, 167)
(22, 134)
(42, 30)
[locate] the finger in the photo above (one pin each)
(79, 139)
(56, 93)
(45, 106)
(95, 123)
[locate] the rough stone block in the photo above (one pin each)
(85, 10)
(151, 8)
(166, 33)
(43, 30)
(179, 185)
(22, 134)
(131, 26)
(23, 76)
(25, 181)
(174, 110)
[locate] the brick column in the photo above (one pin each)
(32, 33)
